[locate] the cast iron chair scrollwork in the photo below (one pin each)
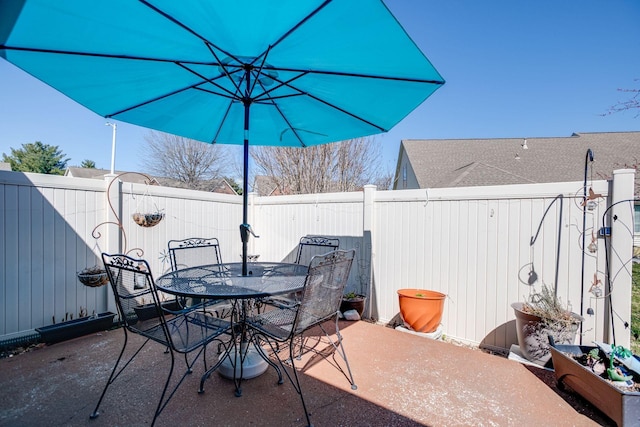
(185, 333)
(310, 246)
(320, 302)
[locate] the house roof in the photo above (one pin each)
(268, 186)
(216, 185)
(479, 162)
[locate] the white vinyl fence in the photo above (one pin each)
(484, 247)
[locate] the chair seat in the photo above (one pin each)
(187, 332)
(275, 323)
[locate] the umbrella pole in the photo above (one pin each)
(244, 227)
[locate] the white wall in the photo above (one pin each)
(473, 244)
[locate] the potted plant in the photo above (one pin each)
(607, 376)
(353, 301)
(421, 309)
(93, 276)
(147, 219)
(543, 315)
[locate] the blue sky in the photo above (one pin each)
(513, 69)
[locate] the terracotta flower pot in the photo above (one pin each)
(421, 309)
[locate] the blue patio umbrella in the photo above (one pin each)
(282, 73)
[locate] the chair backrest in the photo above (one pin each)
(194, 252)
(133, 287)
(323, 288)
(310, 246)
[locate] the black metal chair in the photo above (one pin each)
(320, 302)
(193, 252)
(185, 333)
(308, 247)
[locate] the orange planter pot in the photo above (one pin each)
(421, 309)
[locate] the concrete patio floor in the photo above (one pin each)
(403, 380)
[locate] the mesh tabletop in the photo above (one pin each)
(225, 281)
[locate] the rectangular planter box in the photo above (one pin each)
(76, 328)
(622, 407)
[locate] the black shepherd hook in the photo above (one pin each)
(559, 197)
(589, 158)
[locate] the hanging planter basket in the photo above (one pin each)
(147, 219)
(93, 277)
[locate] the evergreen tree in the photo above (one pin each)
(37, 157)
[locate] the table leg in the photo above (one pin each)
(244, 358)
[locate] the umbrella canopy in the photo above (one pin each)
(285, 73)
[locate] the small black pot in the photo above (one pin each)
(356, 304)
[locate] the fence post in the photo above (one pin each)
(368, 236)
(620, 256)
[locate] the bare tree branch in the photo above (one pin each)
(338, 167)
(633, 103)
(190, 162)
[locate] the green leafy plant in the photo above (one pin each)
(351, 296)
(614, 373)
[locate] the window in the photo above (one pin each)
(636, 219)
(404, 176)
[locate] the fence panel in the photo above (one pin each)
(482, 246)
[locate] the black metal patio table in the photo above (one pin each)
(226, 282)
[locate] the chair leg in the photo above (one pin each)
(301, 345)
(161, 406)
(95, 412)
(339, 348)
(297, 386)
(222, 356)
(115, 372)
(164, 401)
(256, 344)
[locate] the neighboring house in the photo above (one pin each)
(267, 186)
(431, 163)
(4, 166)
(215, 186)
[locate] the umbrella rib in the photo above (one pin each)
(359, 75)
(327, 103)
(182, 25)
(103, 55)
(229, 94)
(299, 24)
(149, 101)
(266, 92)
(226, 114)
(259, 72)
(277, 107)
